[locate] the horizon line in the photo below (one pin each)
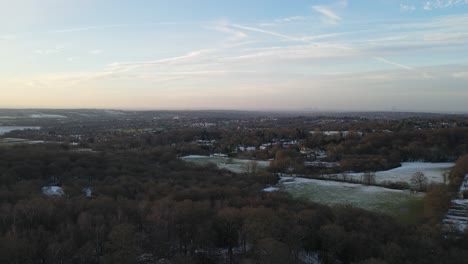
(242, 110)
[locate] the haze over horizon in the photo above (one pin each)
(406, 55)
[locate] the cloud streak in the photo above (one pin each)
(328, 16)
(235, 35)
(407, 8)
(128, 66)
(463, 75)
(399, 65)
(269, 32)
(438, 4)
(328, 13)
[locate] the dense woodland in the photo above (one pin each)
(149, 206)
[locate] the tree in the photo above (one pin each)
(227, 224)
(251, 167)
(345, 177)
(121, 245)
(368, 178)
(281, 162)
(458, 172)
(272, 251)
(445, 177)
(437, 200)
(420, 180)
(333, 241)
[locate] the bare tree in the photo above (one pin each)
(251, 167)
(445, 176)
(344, 176)
(420, 180)
(368, 178)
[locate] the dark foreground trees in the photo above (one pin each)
(147, 208)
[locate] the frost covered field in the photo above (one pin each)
(6, 129)
(394, 202)
(234, 165)
(19, 140)
(433, 171)
(46, 116)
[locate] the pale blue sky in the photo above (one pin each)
(256, 55)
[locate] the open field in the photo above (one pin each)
(231, 164)
(15, 141)
(433, 171)
(404, 205)
(6, 129)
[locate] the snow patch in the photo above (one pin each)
(46, 116)
(53, 191)
(6, 129)
(433, 171)
(230, 164)
(271, 189)
(88, 192)
(21, 140)
(366, 188)
(373, 198)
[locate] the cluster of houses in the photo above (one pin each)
(321, 164)
(205, 142)
(246, 148)
(203, 124)
(337, 133)
(315, 154)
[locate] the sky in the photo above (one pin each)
(355, 55)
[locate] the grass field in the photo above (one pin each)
(231, 164)
(433, 171)
(404, 205)
(6, 129)
(16, 141)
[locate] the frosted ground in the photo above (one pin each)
(394, 202)
(6, 129)
(433, 171)
(46, 116)
(233, 165)
(19, 140)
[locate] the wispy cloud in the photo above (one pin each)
(128, 66)
(235, 35)
(77, 29)
(49, 51)
(292, 54)
(328, 15)
(463, 75)
(193, 73)
(95, 52)
(110, 26)
(326, 36)
(282, 21)
(437, 4)
(8, 37)
(407, 8)
(399, 65)
(269, 32)
(290, 19)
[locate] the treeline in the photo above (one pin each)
(150, 207)
(431, 145)
(458, 172)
